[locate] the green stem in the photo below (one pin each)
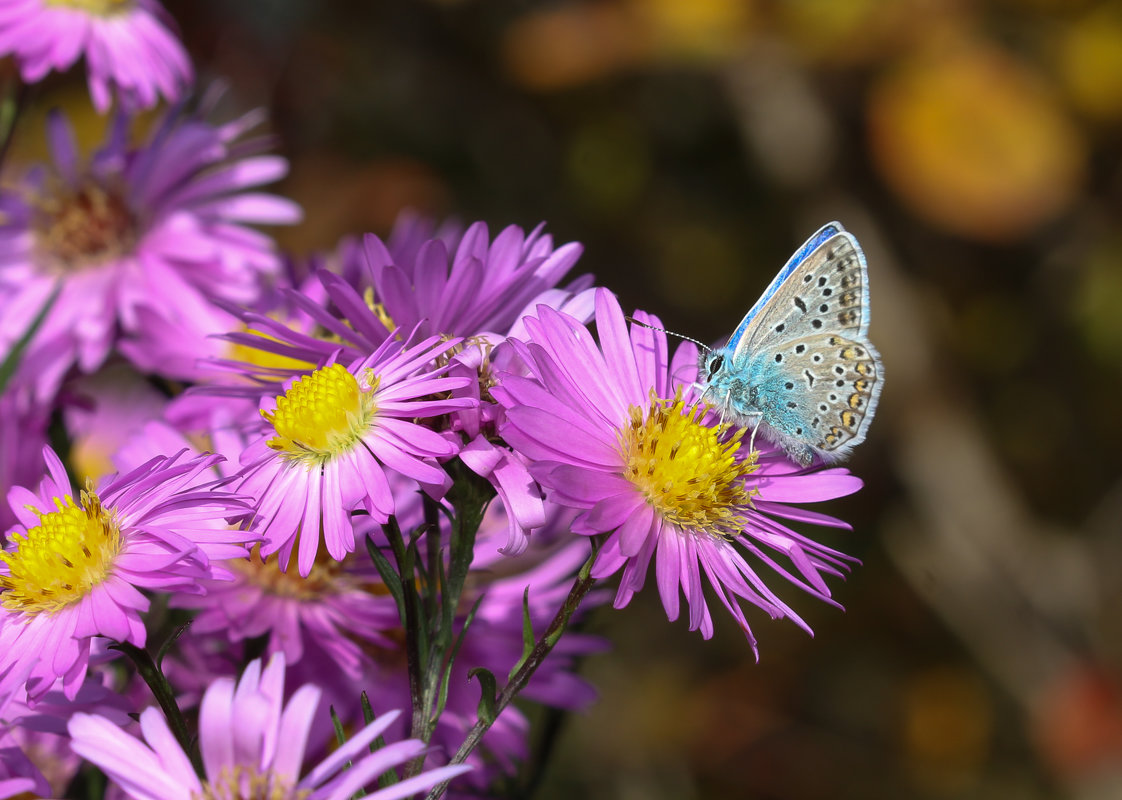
(11, 105)
(421, 689)
(11, 361)
(164, 695)
(521, 677)
(434, 554)
(469, 496)
(412, 624)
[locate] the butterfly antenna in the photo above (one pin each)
(702, 345)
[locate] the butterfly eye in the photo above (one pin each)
(715, 365)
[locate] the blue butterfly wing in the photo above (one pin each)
(822, 235)
(825, 291)
(801, 361)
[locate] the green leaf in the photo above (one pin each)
(412, 603)
(488, 688)
(337, 724)
(368, 716)
(14, 100)
(389, 777)
(161, 689)
(389, 577)
(172, 639)
(392, 530)
(528, 640)
(11, 361)
(341, 738)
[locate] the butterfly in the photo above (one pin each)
(799, 367)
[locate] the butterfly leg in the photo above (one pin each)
(748, 420)
(726, 407)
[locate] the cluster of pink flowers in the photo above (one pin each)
(336, 418)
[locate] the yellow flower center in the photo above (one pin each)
(100, 8)
(266, 359)
(324, 579)
(244, 782)
(86, 227)
(322, 415)
(686, 470)
(62, 559)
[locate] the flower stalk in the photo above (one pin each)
(429, 615)
(522, 674)
(147, 668)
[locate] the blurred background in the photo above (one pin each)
(975, 149)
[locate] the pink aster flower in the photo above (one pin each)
(607, 429)
(463, 286)
(332, 609)
(466, 285)
(182, 355)
(333, 438)
(128, 45)
(441, 282)
(253, 744)
(136, 236)
(487, 456)
(74, 571)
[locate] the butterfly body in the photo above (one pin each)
(799, 369)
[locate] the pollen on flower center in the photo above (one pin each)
(322, 415)
(686, 472)
(59, 561)
(101, 8)
(85, 227)
(243, 782)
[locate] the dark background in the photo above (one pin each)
(974, 149)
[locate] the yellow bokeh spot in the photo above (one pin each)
(705, 30)
(975, 142)
(568, 45)
(849, 32)
(1090, 63)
